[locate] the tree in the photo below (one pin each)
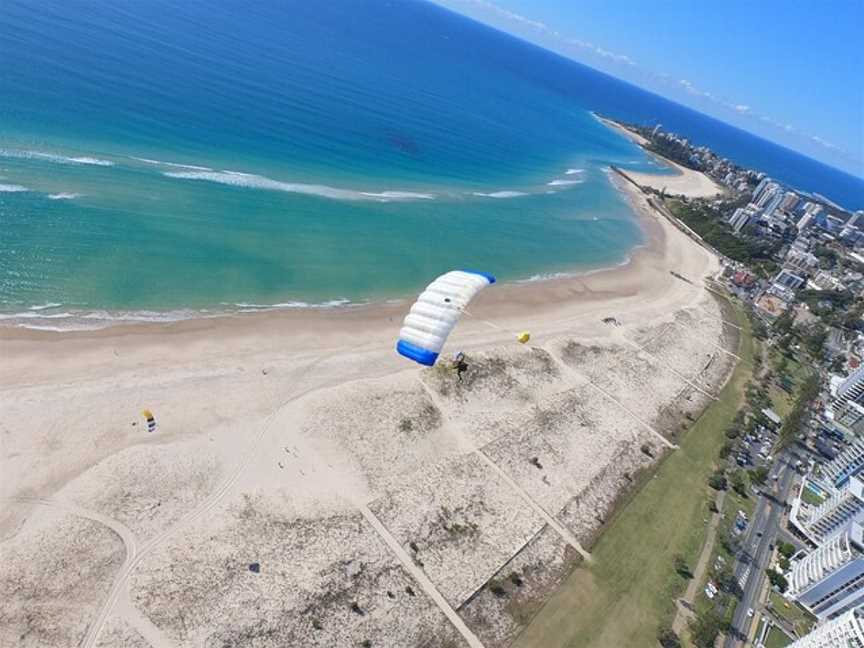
(681, 567)
(717, 481)
(667, 638)
(759, 475)
(705, 628)
(814, 340)
(739, 482)
(786, 549)
(760, 331)
(777, 579)
(783, 325)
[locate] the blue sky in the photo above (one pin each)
(791, 71)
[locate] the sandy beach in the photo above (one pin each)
(685, 182)
(306, 486)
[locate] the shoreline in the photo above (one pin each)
(685, 182)
(85, 323)
(12, 328)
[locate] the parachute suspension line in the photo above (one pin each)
(486, 322)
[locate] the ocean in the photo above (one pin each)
(170, 159)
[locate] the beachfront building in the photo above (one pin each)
(821, 523)
(846, 631)
(849, 462)
(743, 216)
(766, 193)
(829, 580)
(790, 201)
(851, 389)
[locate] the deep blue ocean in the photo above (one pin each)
(186, 156)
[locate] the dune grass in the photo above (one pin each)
(628, 590)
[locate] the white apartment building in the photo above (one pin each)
(846, 631)
(829, 581)
(822, 523)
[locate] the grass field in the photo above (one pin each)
(800, 619)
(622, 597)
(777, 639)
(782, 402)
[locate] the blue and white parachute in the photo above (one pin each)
(436, 312)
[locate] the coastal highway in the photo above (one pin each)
(755, 553)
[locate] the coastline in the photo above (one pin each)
(103, 322)
(307, 422)
(684, 182)
(530, 291)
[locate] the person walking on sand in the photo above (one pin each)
(460, 365)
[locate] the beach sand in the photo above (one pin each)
(685, 182)
(307, 486)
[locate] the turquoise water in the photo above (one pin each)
(175, 157)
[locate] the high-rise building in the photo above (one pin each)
(743, 216)
(846, 631)
(849, 462)
(830, 579)
(761, 187)
(768, 194)
(790, 201)
(825, 521)
(774, 201)
(805, 221)
(849, 418)
(851, 389)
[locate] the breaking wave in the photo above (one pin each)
(53, 157)
(175, 165)
(12, 188)
(252, 181)
(501, 194)
(51, 317)
(63, 196)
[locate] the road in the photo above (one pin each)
(755, 554)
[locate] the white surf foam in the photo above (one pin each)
(501, 194)
(558, 182)
(574, 171)
(175, 165)
(12, 188)
(53, 157)
(63, 196)
(252, 181)
(38, 318)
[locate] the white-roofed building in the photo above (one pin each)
(847, 463)
(822, 523)
(846, 631)
(830, 579)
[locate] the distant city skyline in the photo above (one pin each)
(788, 72)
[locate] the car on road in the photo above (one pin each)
(750, 613)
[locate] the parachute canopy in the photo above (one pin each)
(436, 312)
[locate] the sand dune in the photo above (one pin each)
(280, 434)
